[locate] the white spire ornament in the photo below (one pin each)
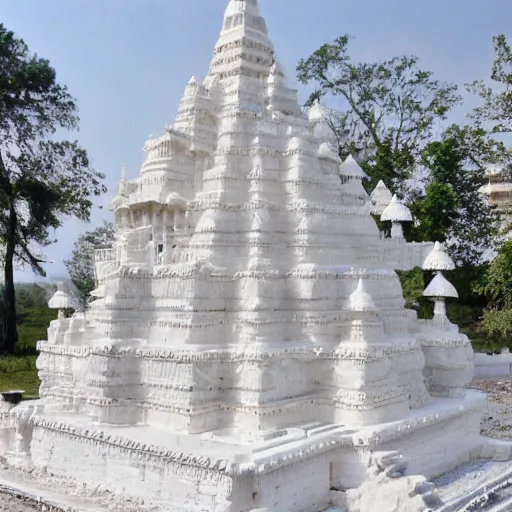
(396, 212)
(438, 259)
(60, 300)
(120, 201)
(439, 290)
(352, 169)
(380, 198)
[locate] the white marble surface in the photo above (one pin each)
(249, 347)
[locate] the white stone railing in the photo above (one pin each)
(104, 255)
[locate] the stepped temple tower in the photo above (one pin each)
(248, 347)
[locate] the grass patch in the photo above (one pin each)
(19, 372)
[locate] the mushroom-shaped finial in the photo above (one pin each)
(438, 259)
(440, 287)
(361, 300)
(396, 212)
(351, 169)
(380, 198)
(60, 300)
(438, 290)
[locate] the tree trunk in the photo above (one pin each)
(10, 332)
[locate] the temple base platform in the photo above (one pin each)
(304, 468)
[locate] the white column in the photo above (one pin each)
(397, 230)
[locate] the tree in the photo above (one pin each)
(81, 265)
(497, 288)
(42, 180)
(392, 110)
(452, 208)
(496, 109)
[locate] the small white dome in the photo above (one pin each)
(380, 198)
(352, 169)
(396, 211)
(361, 300)
(438, 259)
(60, 299)
(119, 201)
(440, 287)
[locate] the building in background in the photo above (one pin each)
(499, 191)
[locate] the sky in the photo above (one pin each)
(127, 61)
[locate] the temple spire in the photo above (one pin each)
(122, 182)
(242, 7)
(242, 26)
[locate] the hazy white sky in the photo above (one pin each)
(128, 61)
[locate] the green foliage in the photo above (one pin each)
(452, 209)
(496, 108)
(33, 317)
(497, 288)
(498, 325)
(81, 265)
(413, 283)
(42, 180)
(392, 108)
(30, 296)
(435, 212)
(497, 285)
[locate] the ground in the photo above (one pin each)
(14, 504)
(497, 422)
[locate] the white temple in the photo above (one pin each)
(248, 348)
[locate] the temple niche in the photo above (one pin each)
(248, 346)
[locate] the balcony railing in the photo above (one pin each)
(104, 255)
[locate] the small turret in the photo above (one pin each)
(60, 300)
(380, 198)
(396, 212)
(365, 325)
(351, 169)
(438, 260)
(361, 300)
(120, 201)
(318, 116)
(438, 290)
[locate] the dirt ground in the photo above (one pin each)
(12, 504)
(497, 422)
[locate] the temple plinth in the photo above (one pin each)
(248, 347)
